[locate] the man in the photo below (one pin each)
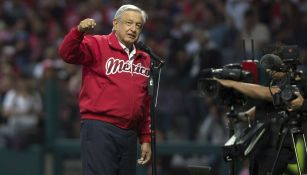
(262, 158)
(114, 102)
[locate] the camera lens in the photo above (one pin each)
(208, 87)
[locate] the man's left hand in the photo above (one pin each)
(145, 153)
(296, 103)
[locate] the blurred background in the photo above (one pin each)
(190, 34)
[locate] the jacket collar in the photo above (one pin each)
(114, 43)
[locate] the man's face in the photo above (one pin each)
(128, 27)
(275, 75)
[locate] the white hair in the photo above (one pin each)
(129, 7)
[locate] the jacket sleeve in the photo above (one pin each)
(144, 128)
(75, 48)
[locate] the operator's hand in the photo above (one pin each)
(86, 24)
(226, 83)
(145, 153)
(296, 103)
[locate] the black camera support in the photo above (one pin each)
(153, 89)
(232, 117)
(293, 127)
(156, 64)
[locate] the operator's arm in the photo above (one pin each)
(252, 90)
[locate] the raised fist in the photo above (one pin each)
(86, 25)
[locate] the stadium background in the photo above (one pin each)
(190, 34)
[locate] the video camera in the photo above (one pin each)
(289, 55)
(287, 93)
(226, 96)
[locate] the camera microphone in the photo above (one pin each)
(273, 62)
(206, 73)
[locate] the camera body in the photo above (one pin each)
(286, 94)
(225, 96)
(288, 54)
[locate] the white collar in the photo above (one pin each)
(126, 49)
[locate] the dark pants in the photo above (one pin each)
(107, 149)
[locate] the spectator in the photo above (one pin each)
(213, 128)
(22, 106)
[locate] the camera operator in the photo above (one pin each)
(262, 158)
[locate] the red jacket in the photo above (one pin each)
(112, 90)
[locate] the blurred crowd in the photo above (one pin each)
(190, 34)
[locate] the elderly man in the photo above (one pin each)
(114, 102)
